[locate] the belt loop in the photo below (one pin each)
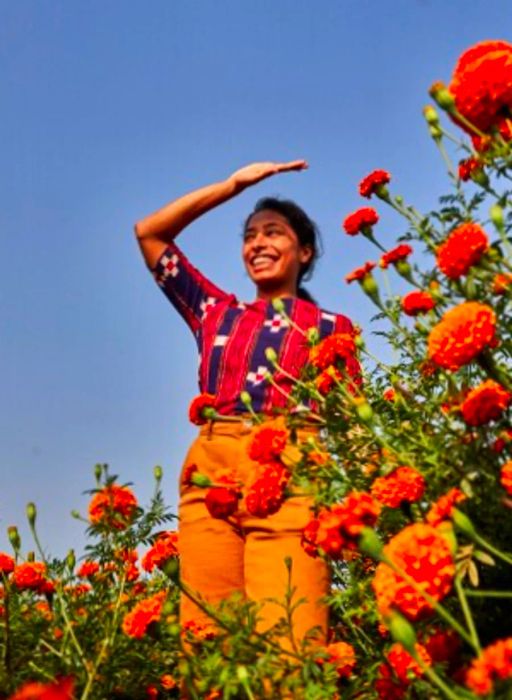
(210, 429)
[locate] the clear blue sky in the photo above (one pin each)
(110, 109)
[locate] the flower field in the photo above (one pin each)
(410, 474)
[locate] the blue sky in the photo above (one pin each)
(111, 109)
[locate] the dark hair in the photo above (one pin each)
(306, 230)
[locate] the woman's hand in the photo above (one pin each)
(251, 174)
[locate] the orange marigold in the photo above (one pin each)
(136, 622)
(88, 568)
(359, 273)
(501, 283)
(404, 665)
(506, 477)
(165, 547)
(494, 663)
(339, 346)
(266, 494)
(417, 302)
(403, 485)
(61, 689)
(469, 166)
(31, 576)
(360, 221)
(484, 403)
(400, 252)
(197, 407)
(442, 509)
(114, 506)
(374, 183)
(6, 563)
(424, 555)
(342, 656)
(268, 444)
(462, 334)
(461, 250)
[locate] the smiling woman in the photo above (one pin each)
(242, 548)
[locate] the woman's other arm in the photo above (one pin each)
(157, 230)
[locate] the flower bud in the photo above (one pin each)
(313, 335)
(358, 341)
(71, 560)
(98, 470)
(245, 398)
(201, 480)
(402, 631)
(75, 514)
(14, 538)
(365, 412)
(31, 556)
(463, 523)
(370, 543)
(158, 473)
(278, 305)
(370, 287)
(209, 412)
(404, 269)
(440, 93)
(242, 674)
(171, 569)
(271, 355)
(431, 115)
(31, 513)
(436, 133)
(480, 177)
(497, 217)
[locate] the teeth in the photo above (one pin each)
(261, 259)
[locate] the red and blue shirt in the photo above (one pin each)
(232, 336)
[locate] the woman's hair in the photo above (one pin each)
(305, 229)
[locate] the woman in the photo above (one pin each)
(245, 554)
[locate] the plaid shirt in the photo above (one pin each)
(232, 336)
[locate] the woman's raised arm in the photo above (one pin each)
(157, 230)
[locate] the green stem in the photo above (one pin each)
(487, 594)
(493, 550)
(467, 614)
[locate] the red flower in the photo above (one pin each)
(468, 167)
(359, 273)
(501, 283)
(462, 249)
(221, 501)
(442, 646)
(342, 656)
(164, 548)
(197, 407)
(494, 663)
(6, 563)
(442, 509)
(114, 506)
(360, 221)
(462, 334)
(373, 183)
(88, 569)
(482, 85)
(33, 690)
(389, 394)
(339, 346)
(31, 576)
(403, 485)
(501, 442)
(484, 403)
(506, 477)
(268, 444)
(424, 555)
(266, 494)
(387, 686)
(401, 252)
(136, 622)
(417, 302)
(403, 663)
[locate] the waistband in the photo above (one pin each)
(245, 424)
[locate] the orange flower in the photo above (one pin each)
(165, 547)
(342, 656)
(442, 509)
(482, 85)
(31, 576)
(469, 166)
(484, 403)
(417, 302)
(503, 440)
(136, 622)
(339, 346)
(266, 494)
(373, 183)
(168, 682)
(403, 664)
(402, 485)
(462, 334)
(461, 250)
(268, 444)
(423, 554)
(494, 663)
(197, 407)
(501, 283)
(360, 221)
(88, 569)
(32, 690)
(114, 506)
(401, 252)
(387, 686)
(6, 563)
(359, 273)
(389, 394)
(506, 477)
(197, 631)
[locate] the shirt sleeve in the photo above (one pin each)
(188, 290)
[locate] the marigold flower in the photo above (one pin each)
(481, 85)
(6, 563)
(442, 645)
(493, 664)
(417, 302)
(197, 407)
(373, 183)
(268, 444)
(168, 682)
(424, 555)
(400, 252)
(165, 547)
(338, 527)
(506, 477)
(462, 334)
(501, 283)
(469, 166)
(403, 664)
(30, 576)
(360, 221)
(442, 509)
(88, 569)
(403, 485)
(501, 442)
(222, 501)
(360, 273)
(136, 622)
(387, 686)
(484, 403)
(389, 394)
(342, 656)
(34, 690)
(266, 495)
(339, 346)
(462, 249)
(199, 631)
(114, 506)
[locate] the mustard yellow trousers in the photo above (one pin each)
(246, 555)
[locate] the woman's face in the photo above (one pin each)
(272, 253)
